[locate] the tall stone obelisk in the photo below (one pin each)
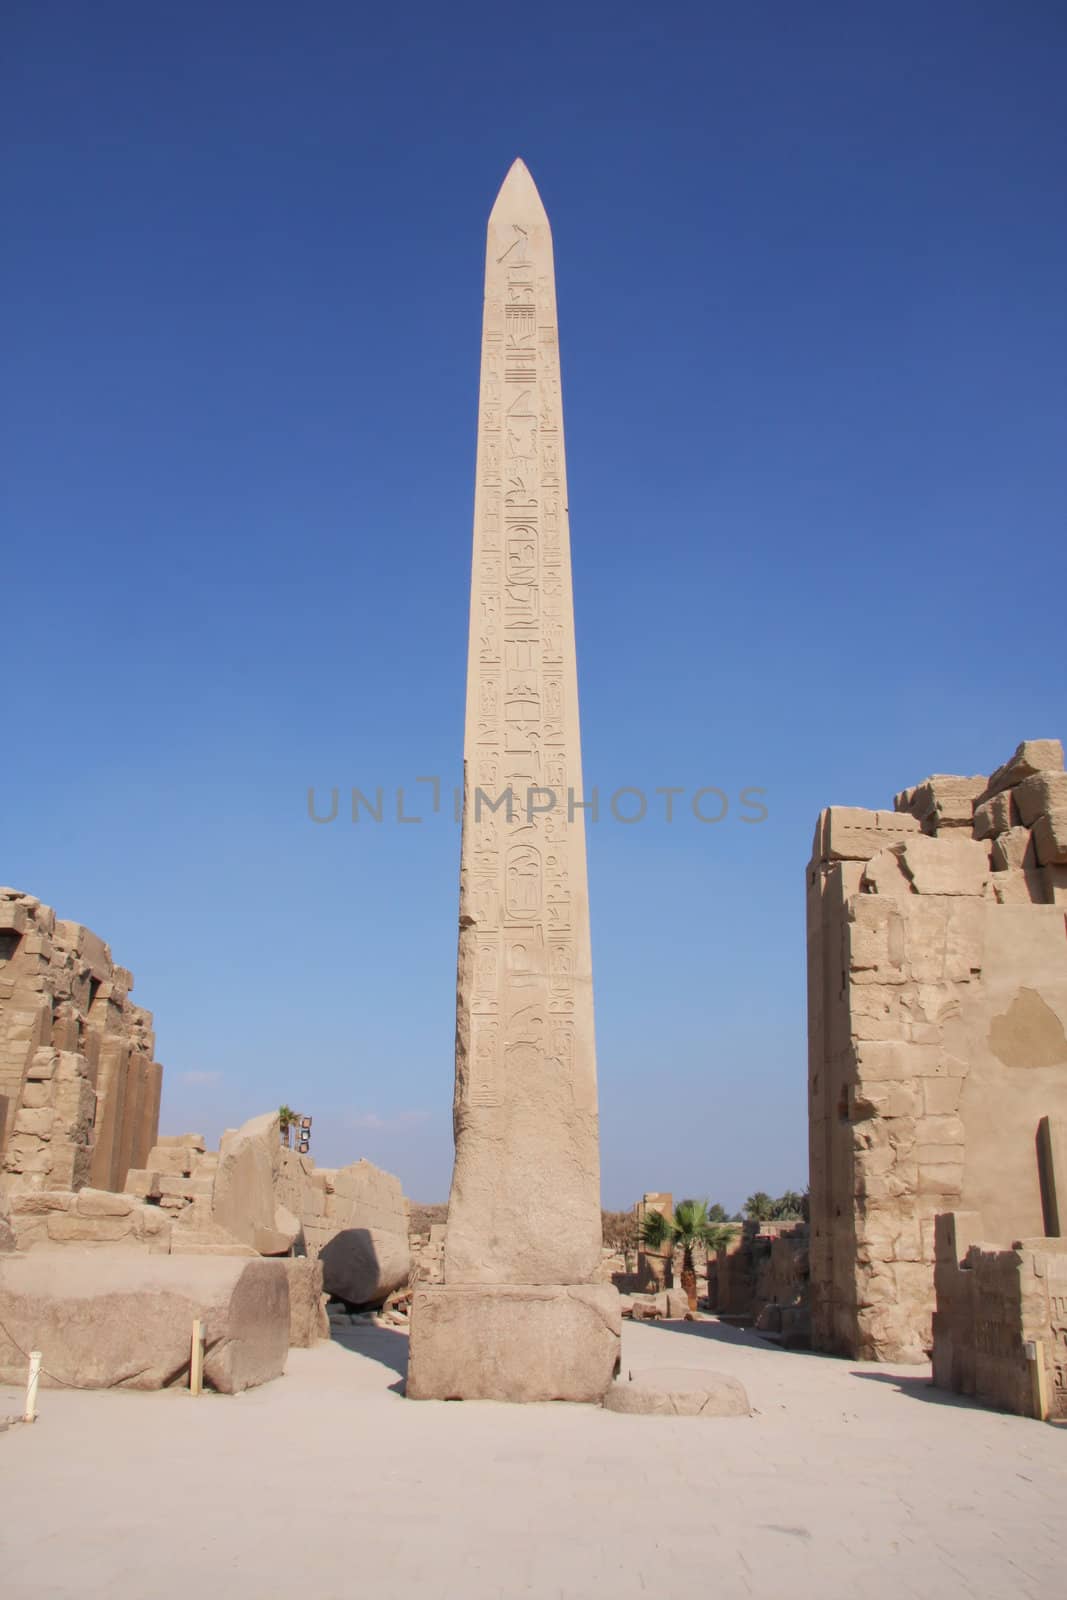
(519, 1317)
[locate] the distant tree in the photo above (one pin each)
(721, 1236)
(688, 1227)
(287, 1120)
(717, 1213)
(759, 1207)
(619, 1229)
(788, 1207)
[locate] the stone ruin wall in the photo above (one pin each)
(79, 1088)
(251, 1197)
(89, 1190)
(761, 1276)
(993, 1302)
(937, 1001)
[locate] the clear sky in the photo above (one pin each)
(810, 269)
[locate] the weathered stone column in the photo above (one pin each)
(519, 1316)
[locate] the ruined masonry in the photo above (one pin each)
(520, 1316)
(79, 1090)
(113, 1237)
(937, 1003)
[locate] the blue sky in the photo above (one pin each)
(810, 264)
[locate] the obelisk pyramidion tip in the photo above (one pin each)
(518, 198)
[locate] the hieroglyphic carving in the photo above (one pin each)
(516, 860)
(485, 1086)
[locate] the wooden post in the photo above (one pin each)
(1035, 1360)
(196, 1358)
(30, 1413)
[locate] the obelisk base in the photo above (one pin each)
(474, 1341)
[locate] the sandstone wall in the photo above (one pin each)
(765, 1264)
(992, 1303)
(251, 1197)
(937, 1004)
(79, 1090)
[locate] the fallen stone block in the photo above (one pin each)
(308, 1321)
(69, 1228)
(678, 1392)
(243, 1200)
(364, 1265)
(102, 1203)
(517, 1342)
(176, 1186)
(172, 1161)
(121, 1320)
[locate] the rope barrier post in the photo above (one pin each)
(30, 1414)
(196, 1358)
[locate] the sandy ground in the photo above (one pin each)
(849, 1481)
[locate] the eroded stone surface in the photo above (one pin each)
(79, 1090)
(678, 1392)
(937, 1016)
(116, 1320)
(524, 1208)
(518, 1342)
(525, 1104)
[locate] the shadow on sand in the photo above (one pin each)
(921, 1387)
(726, 1333)
(384, 1345)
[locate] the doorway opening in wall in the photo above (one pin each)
(9, 943)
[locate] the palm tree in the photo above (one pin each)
(759, 1207)
(721, 1236)
(688, 1227)
(287, 1118)
(788, 1207)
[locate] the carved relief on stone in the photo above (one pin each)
(523, 881)
(484, 1065)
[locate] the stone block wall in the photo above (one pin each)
(937, 1011)
(999, 1311)
(765, 1264)
(251, 1197)
(79, 1089)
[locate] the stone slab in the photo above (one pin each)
(678, 1392)
(517, 1342)
(308, 1321)
(123, 1320)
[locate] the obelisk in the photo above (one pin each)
(519, 1316)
